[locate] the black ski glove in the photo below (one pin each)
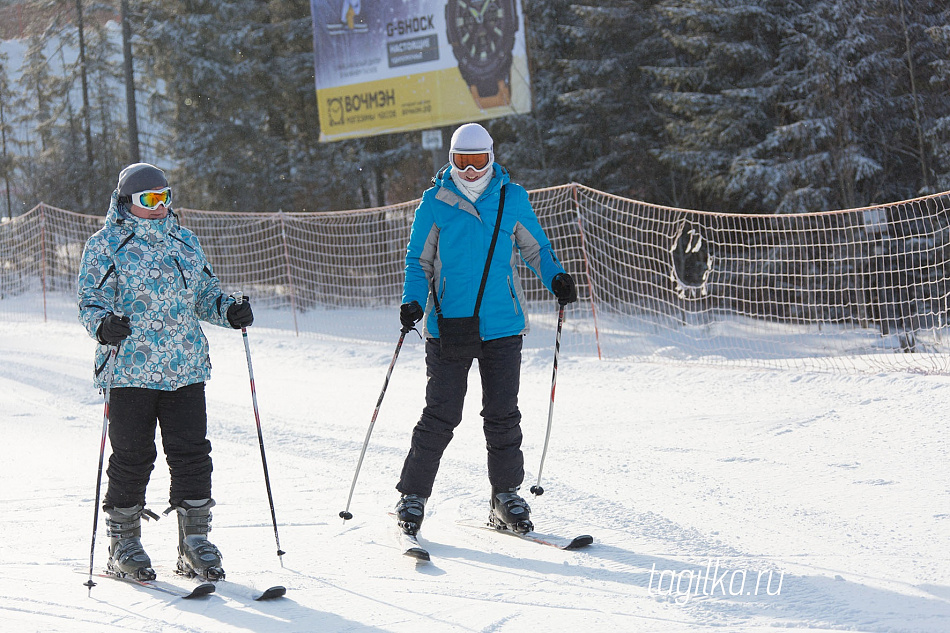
(409, 314)
(564, 288)
(240, 314)
(113, 329)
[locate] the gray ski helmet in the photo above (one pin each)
(140, 177)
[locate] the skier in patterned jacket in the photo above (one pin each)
(448, 248)
(144, 285)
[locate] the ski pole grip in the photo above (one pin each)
(238, 296)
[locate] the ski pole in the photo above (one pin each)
(102, 451)
(345, 514)
(239, 298)
(537, 490)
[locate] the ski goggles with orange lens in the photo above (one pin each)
(151, 199)
(478, 162)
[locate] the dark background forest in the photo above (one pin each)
(747, 106)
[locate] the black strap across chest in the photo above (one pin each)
(491, 251)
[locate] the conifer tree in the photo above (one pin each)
(531, 145)
(851, 96)
(237, 100)
(592, 122)
(714, 100)
(43, 169)
(937, 127)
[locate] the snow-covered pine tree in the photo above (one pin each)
(45, 141)
(206, 60)
(60, 122)
(714, 101)
(845, 133)
(923, 99)
(238, 100)
(591, 121)
(532, 146)
(937, 128)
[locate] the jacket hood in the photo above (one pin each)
(151, 230)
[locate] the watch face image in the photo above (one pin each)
(482, 36)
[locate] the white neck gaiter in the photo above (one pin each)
(472, 190)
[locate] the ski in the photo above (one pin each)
(277, 591)
(201, 589)
(229, 588)
(409, 543)
(411, 547)
(577, 542)
(233, 588)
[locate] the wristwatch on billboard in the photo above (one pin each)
(482, 36)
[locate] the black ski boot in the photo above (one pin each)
(127, 557)
(410, 510)
(509, 511)
(197, 556)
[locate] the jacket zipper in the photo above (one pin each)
(112, 267)
(514, 297)
(106, 276)
(181, 272)
(103, 365)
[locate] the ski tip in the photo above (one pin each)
(273, 592)
(204, 589)
(580, 541)
(418, 553)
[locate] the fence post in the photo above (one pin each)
(43, 255)
(590, 281)
(290, 278)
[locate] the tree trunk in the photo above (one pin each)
(131, 114)
(6, 167)
(87, 126)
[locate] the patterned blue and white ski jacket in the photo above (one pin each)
(154, 272)
(449, 244)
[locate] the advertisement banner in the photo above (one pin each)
(385, 66)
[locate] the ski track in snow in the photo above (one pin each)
(838, 483)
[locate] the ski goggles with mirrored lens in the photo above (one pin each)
(151, 199)
(478, 162)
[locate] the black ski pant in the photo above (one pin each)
(183, 419)
(447, 381)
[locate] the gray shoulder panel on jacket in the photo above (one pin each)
(453, 199)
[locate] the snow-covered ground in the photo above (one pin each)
(728, 499)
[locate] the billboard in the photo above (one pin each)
(385, 66)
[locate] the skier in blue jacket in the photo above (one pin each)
(448, 247)
(144, 285)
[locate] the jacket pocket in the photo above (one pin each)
(514, 296)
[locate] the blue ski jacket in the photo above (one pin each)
(448, 247)
(154, 272)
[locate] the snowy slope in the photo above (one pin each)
(836, 485)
